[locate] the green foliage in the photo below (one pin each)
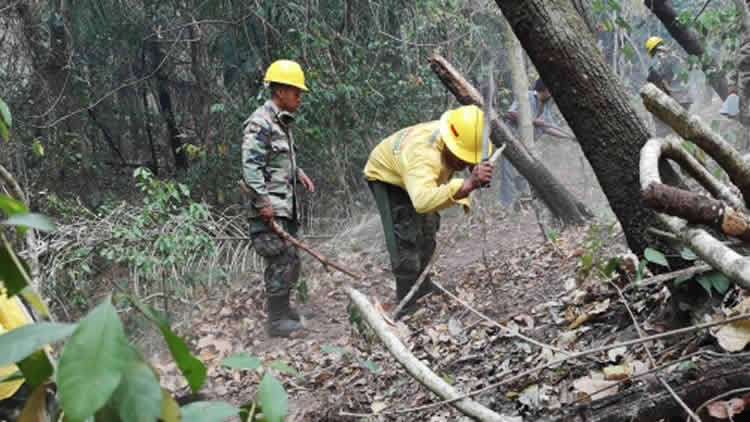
(655, 257)
(208, 412)
(273, 399)
(163, 202)
(93, 362)
(591, 261)
(241, 361)
(190, 367)
(23, 341)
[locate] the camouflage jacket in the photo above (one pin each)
(268, 162)
(664, 72)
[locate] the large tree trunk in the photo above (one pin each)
(690, 41)
(553, 193)
(593, 103)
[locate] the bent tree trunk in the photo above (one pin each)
(690, 41)
(562, 203)
(593, 103)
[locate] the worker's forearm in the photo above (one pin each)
(465, 189)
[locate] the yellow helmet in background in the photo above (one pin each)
(286, 72)
(461, 130)
(652, 43)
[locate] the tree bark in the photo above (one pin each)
(689, 40)
(650, 402)
(593, 103)
(520, 87)
(697, 209)
(562, 203)
(165, 103)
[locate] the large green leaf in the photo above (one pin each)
(656, 257)
(191, 368)
(92, 363)
(204, 411)
(12, 206)
(4, 132)
(32, 220)
(36, 368)
(241, 361)
(5, 114)
(138, 397)
(273, 399)
(11, 275)
(23, 341)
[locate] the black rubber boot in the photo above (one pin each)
(402, 289)
(280, 320)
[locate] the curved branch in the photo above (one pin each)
(715, 253)
(692, 127)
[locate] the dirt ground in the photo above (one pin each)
(337, 369)
(500, 264)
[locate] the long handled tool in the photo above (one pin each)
(291, 239)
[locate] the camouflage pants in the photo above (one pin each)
(409, 236)
(282, 258)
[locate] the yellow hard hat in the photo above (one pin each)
(286, 72)
(652, 42)
(461, 130)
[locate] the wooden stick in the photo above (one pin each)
(351, 273)
(697, 269)
(415, 367)
(288, 237)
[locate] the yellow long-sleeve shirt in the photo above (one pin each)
(412, 159)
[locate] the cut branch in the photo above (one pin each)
(415, 367)
(562, 203)
(697, 209)
(715, 253)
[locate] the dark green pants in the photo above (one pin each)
(409, 236)
(282, 258)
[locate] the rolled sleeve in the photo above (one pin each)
(426, 195)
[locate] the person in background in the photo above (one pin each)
(513, 184)
(664, 72)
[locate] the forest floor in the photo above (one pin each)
(333, 371)
(524, 282)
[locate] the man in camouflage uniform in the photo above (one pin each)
(269, 170)
(664, 72)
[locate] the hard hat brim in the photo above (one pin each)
(300, 86)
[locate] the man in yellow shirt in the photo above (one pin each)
(410, 174)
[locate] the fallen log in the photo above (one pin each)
(559, 199)
(647, 401)
(416, 368)
(733, 265)
(697, 209)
